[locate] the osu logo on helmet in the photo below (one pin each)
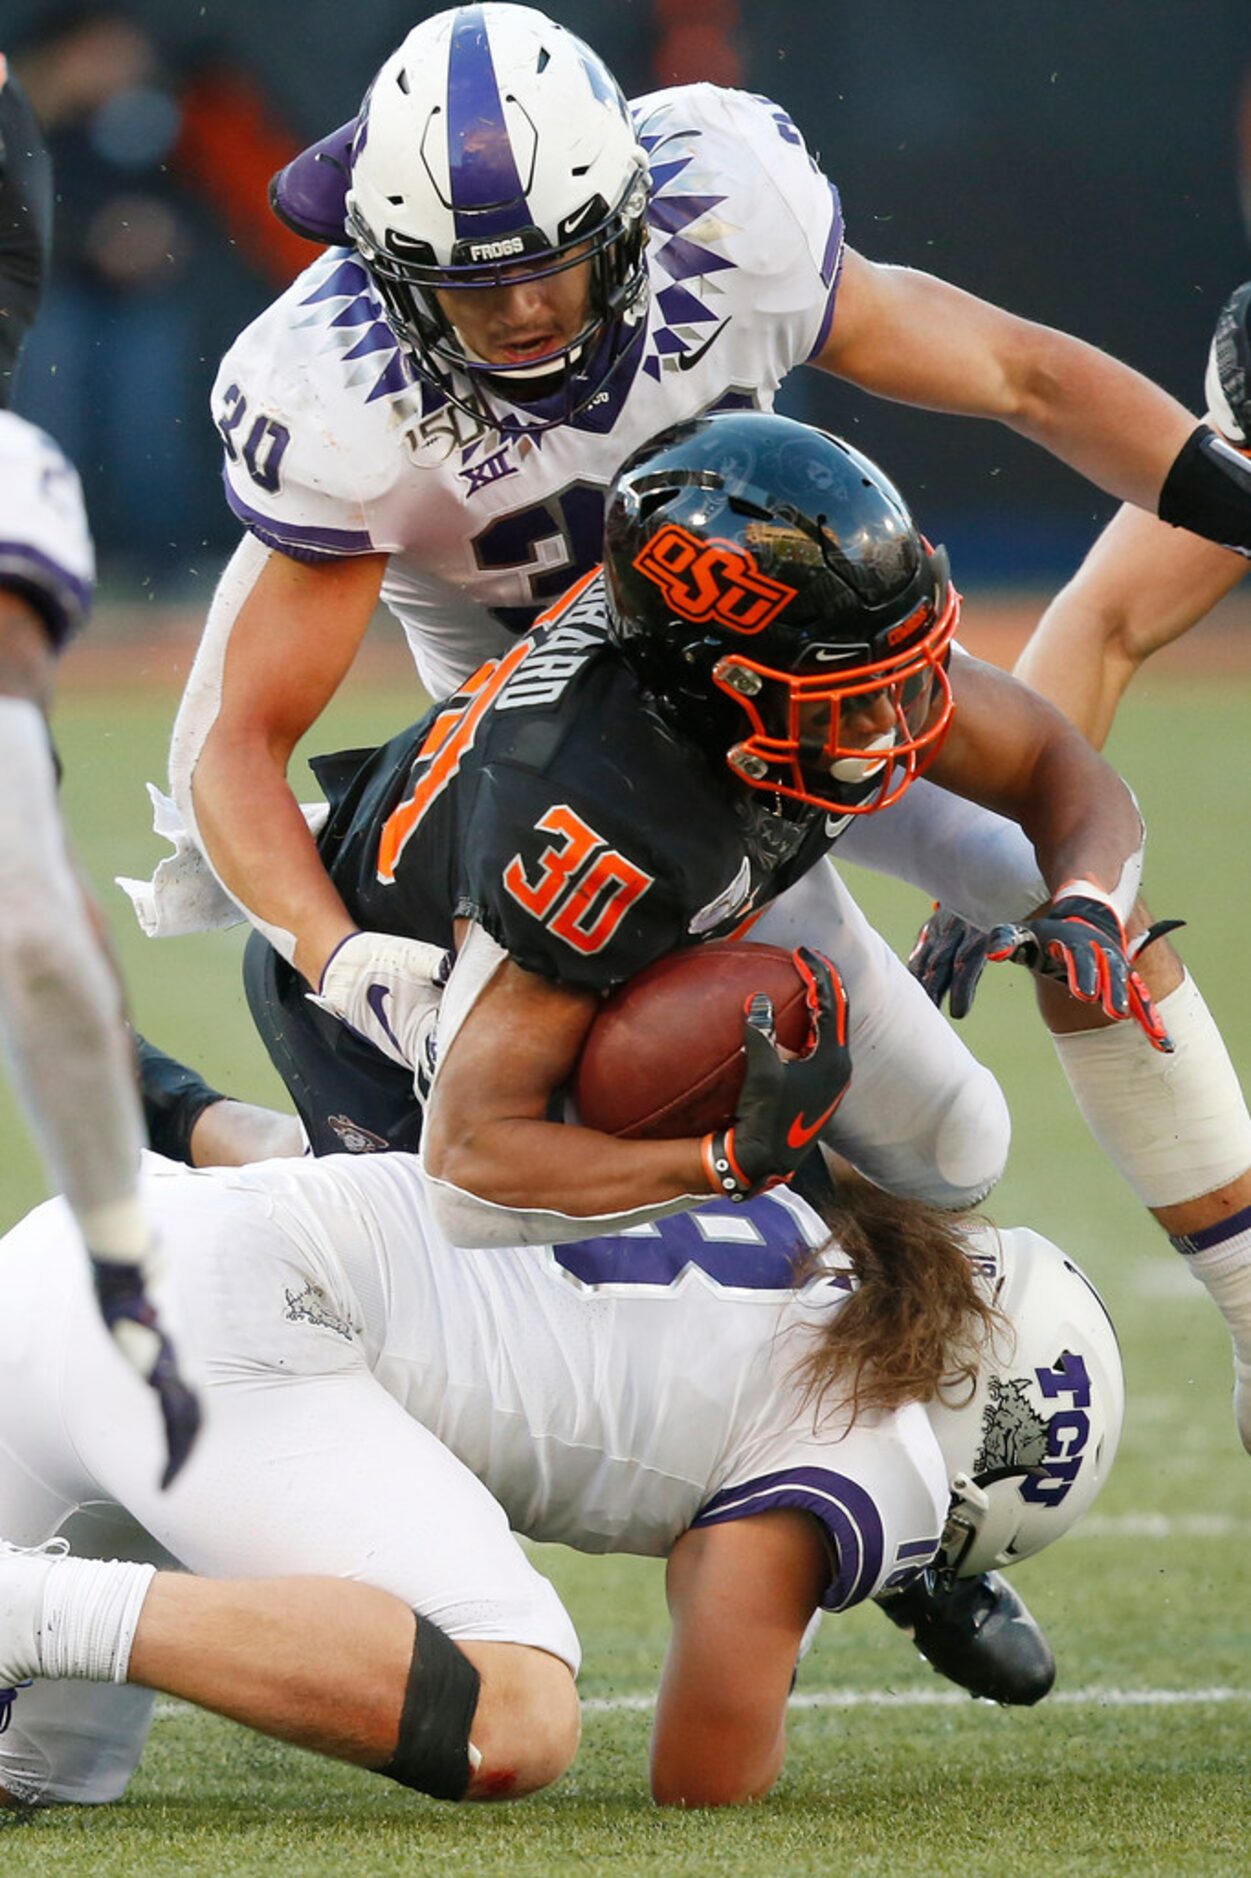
(712, 580)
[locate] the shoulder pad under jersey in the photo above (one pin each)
(46, 553)
(305, 403)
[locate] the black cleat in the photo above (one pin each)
(174, 1098)
(978, 1634)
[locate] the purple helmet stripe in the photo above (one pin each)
(487, 194)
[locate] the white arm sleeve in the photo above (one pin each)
(975, 862)
(467, 1220)
(201, 702)
(60, 1003)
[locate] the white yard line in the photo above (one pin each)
(900, 1698)
(1161, 1526)
(949, 1698)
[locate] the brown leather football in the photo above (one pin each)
(664, 1056)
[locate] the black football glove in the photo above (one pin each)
(947, 960)
(783, 1105)
(1081, 942)
(136, 1329)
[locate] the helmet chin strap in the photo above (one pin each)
(967, 1511)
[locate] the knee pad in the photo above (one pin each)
(971, 1149)
(434, 1754)
(951, 1160)
(1175, 1127)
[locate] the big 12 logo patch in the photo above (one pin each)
(711, 580)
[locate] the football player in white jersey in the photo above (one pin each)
(794, 1423)
(537, 280)
(534, 280)
(1183, 1144)
(60, 1002)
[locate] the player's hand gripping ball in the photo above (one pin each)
(664, 1057)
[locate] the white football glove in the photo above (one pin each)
(387, 990)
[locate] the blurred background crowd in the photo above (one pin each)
(1086, 166)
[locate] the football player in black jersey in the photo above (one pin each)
(766, 656)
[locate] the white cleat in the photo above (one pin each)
(23, 1570)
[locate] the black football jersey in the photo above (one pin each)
(548, 802)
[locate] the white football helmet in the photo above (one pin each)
(495, 146)
(1029, 1451)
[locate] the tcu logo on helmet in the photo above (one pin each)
(1048, 1447)
(712, 580)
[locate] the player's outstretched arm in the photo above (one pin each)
(1011, 751)
(740, 1597)
(908, 336)
(280, 636)
(62, 1025)
(1142, 585)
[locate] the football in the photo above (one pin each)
(664, 1055)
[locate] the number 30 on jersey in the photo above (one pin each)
(583, 888)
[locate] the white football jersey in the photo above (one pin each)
(45, 545)
(611, 1393)
(335, 447)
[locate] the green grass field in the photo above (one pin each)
(1139, 1762)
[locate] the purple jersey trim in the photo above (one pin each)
(1208, 1236)
(300, 540)
(831, 272)
(847, 1512)
(487, 194)
(61, 597)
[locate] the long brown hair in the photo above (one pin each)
(915, 1325)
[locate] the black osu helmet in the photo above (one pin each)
(769, 588)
